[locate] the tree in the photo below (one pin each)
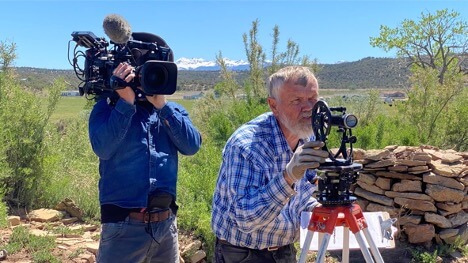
(228, 86)
(290, 57)
(438, 41)
(256, 58)
(7, 55)
(23, 129)
(436, 47)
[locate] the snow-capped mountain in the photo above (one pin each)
(204, 65)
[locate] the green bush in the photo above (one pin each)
(23, 123)
(196, 182)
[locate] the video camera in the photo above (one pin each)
(336, 175)
(155, 72)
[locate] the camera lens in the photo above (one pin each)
(158, 77)
(155, 75)
(350, 121)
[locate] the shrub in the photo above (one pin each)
(23, 123)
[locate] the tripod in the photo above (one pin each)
(350, 216)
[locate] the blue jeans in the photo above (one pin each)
(226, 253)
(139, 242)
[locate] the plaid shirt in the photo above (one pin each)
(253, 205)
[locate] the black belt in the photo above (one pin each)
(273, 248)
(150, 217)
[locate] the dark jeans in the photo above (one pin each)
(227, 253)
(135, 241)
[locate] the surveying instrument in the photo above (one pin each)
(335, 176)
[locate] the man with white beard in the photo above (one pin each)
(266, 177)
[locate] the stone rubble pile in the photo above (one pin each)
(423, 187)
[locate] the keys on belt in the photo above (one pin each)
(150, 217)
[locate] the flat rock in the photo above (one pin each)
(45, 215)
(377, 155)
(412, 204)
(437, 220)
(432, 178)
(420, 233)
(409, 195)
(381, 164)
(444, 194)
(373, 197)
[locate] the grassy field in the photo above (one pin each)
(70, 107)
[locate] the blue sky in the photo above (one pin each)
(330, 31)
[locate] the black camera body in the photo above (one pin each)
(155, 73)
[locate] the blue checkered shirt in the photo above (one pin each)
(253, 205)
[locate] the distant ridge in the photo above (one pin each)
(198, 74)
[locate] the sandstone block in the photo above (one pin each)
(433, 178)
(449, 207)
(410, 219)
(383, 183)
(373, 197)
(459, 218)
(45, 215)
(446, 233)
(416, 204)
(371, 188)
(398, 168)
(420, 233)
(407, 186)
(410, 162)
(398, 176)
(444, 194)
(437, 220)
(381, 164)
(377, 155)
(409, 195)
(367, 178)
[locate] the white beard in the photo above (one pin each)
(301, 130)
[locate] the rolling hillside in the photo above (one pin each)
(367, 73)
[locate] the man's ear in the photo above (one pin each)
(273, 105)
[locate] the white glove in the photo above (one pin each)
(307, 156)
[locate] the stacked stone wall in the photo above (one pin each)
(425, 188)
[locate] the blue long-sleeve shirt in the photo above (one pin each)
(253, 205)
(138, 148)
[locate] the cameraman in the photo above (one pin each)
(137, 142)
(264, 182)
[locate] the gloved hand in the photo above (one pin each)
(307, 156)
